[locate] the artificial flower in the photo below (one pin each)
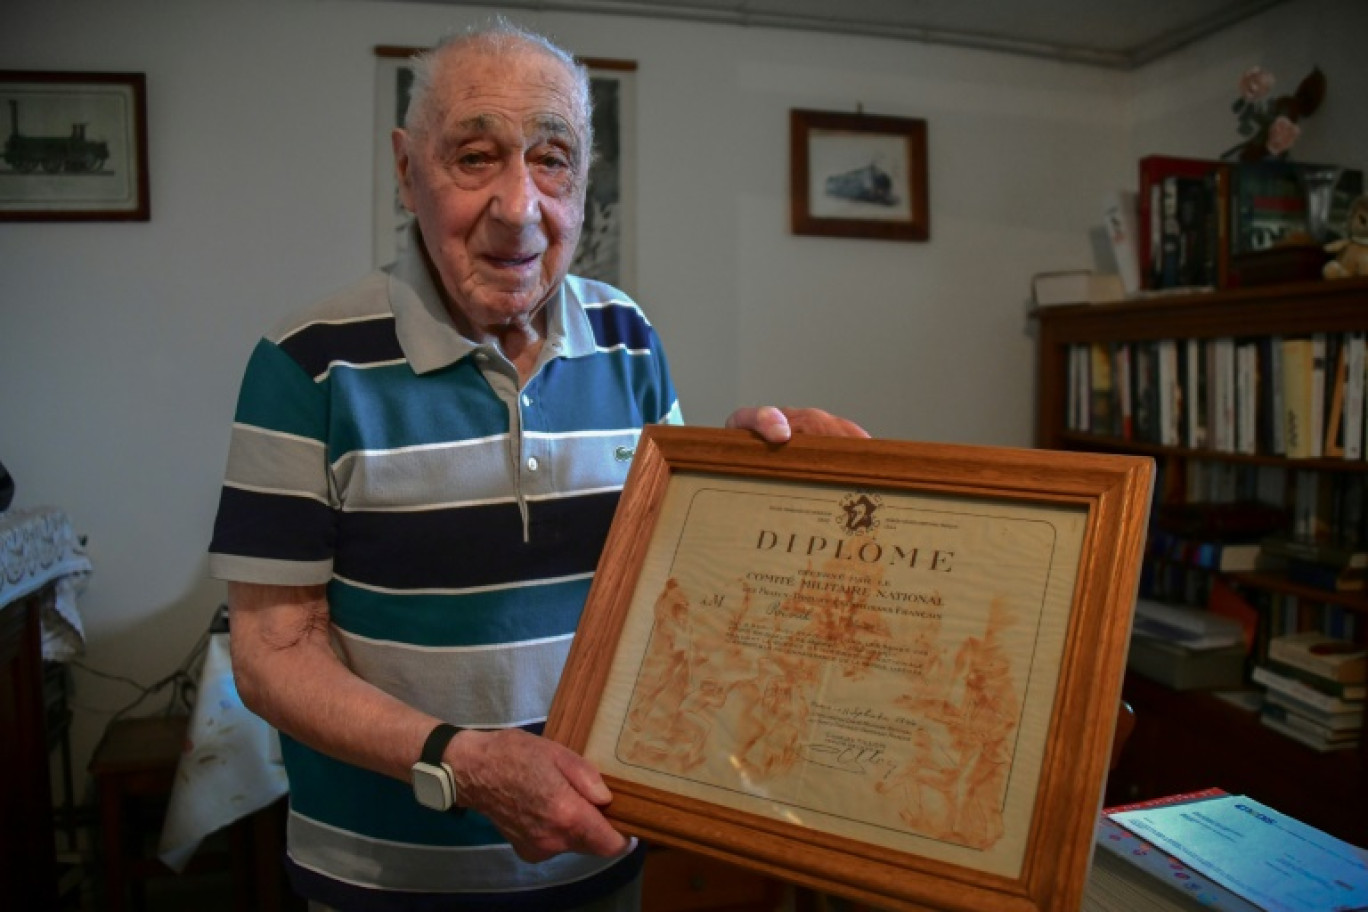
(1271, 125)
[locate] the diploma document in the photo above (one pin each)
(862, 662)
(886, 670)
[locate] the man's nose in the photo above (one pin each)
(516, 199)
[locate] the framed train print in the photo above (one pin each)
(76, 149)
(858, 175)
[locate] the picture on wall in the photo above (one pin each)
(76, 146)
(858, 175)
(607, 247)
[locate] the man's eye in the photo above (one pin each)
(471, 159)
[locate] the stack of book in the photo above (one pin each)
(1316, 687)
(1186, 648)
(1130, 873)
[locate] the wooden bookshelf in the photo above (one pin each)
(1189, 740)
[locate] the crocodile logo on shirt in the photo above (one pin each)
(624, 454)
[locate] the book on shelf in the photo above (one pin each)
(1292, 726)
(1182, 625)
(1321, 576)
(1350, 693)
(1272, 405)
(1355, 382)
(1246, 398)
(1179, 668)
(1210, 554)
(1337, 374)
(1196, 412)
(1294, 686)
(1320, 654)
(1170, 394)
(1101, 389)
(1345, 720)
(1076, 286)
(1318, 552)
(1125, 388)
(1119, 216)
(1318, 373)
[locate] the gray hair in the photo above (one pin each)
(498, 36)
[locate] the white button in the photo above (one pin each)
(481, 357)
(532, 463)
(527, 400)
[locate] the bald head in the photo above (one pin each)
(499, 39)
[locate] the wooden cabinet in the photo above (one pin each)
(27, 850)
(1190, 740)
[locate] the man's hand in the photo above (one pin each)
(543, 797)
(777, 425)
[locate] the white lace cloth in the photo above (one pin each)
(38, 546)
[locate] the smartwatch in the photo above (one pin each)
(434, 786)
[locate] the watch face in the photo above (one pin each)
(431, 787)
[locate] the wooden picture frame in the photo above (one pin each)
(779, 640)
(858, 175)
(76, 149)
(607, 247)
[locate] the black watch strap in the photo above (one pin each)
(437, 742)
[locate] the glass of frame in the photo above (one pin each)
(885, 670)
(76, 149)
(858, 175)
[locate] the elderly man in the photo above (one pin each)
(422, 474)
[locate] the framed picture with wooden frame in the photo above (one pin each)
(888, 671)
(76, 149)
(858, 175)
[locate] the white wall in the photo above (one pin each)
(121, 345)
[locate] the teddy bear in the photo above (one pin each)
(1351, 253)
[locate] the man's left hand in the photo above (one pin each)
(777, 425)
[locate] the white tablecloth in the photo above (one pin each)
(38, 546)
(231, 766)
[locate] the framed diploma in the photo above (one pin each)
(888, 671)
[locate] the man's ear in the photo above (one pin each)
(399, 139)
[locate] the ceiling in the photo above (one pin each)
(1118, 34)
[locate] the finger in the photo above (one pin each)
(817, 421)
(769, 422)
(584, 779)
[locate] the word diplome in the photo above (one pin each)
(862, 550)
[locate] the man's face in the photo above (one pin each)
(496, 180)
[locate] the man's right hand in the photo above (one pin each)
(543, 797)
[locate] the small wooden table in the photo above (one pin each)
(134, 762)
(134, 767)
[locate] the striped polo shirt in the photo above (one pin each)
(457, 521)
